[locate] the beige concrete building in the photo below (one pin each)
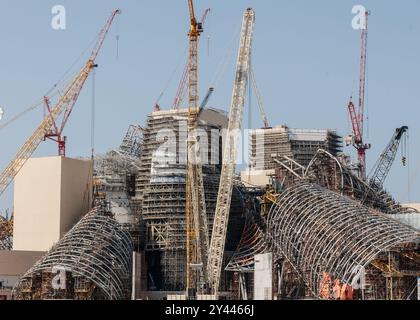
(51, 194)
(256, 178)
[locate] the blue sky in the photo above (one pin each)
(305, 58)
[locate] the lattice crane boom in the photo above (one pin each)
(64, 105)
(180, 93)
(385, 161)
(357, 118)
(362, 80)
(196, 216)
(221, 218)
(260, 104)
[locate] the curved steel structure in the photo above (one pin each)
(327, 171)
(252, 241)
(96, 249)
(321, 232)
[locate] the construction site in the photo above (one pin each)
(170, 214)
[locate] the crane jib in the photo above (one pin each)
(65, 104)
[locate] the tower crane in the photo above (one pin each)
(357, 118)
(180, 93)
(56, 132)
(386, 159)
(218, 237)
(196, 217)
(64, 106)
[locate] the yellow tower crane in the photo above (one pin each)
(196, 218)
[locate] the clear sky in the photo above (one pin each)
(305, 58)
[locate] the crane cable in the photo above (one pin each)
(223, 64)
(406, 162)
(52, 92)
(169, 81)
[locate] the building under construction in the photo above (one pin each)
(300, 144)
(300, 222)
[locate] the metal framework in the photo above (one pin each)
(329, 172)
(357, 119)
(323, 233)
(196, 217)
(260, 104)
(97, 253)
(386, 159)
(6, 233)
(131, 144)
(160, 200)
(63, 107)
(221, 218)
(252, 240)
(182, 87)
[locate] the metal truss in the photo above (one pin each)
(327, 171)
(322, 232)
(251, 243)
(6, 233)
(96, 250)
(252, 240)
(221, 216)
(131, 144)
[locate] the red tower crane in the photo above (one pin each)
(357, 118)
(63, 107)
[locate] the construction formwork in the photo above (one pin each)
(92, 261)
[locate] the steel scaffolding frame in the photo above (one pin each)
(328, 172)
(6, 233)
(97, 251)
(320, 232)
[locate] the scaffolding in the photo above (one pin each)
(160, 200)
(322, 229)
(96, 255)
(6, 233)
(299, 144)
(323, 234)
(114, 180)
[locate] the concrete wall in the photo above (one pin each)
(51, 194)
(263, 277)
(258, 178)
(76, 192)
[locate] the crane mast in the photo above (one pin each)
(221, 218)
(196, 217)
(63, 106)
(357, 118)
(180, 93)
